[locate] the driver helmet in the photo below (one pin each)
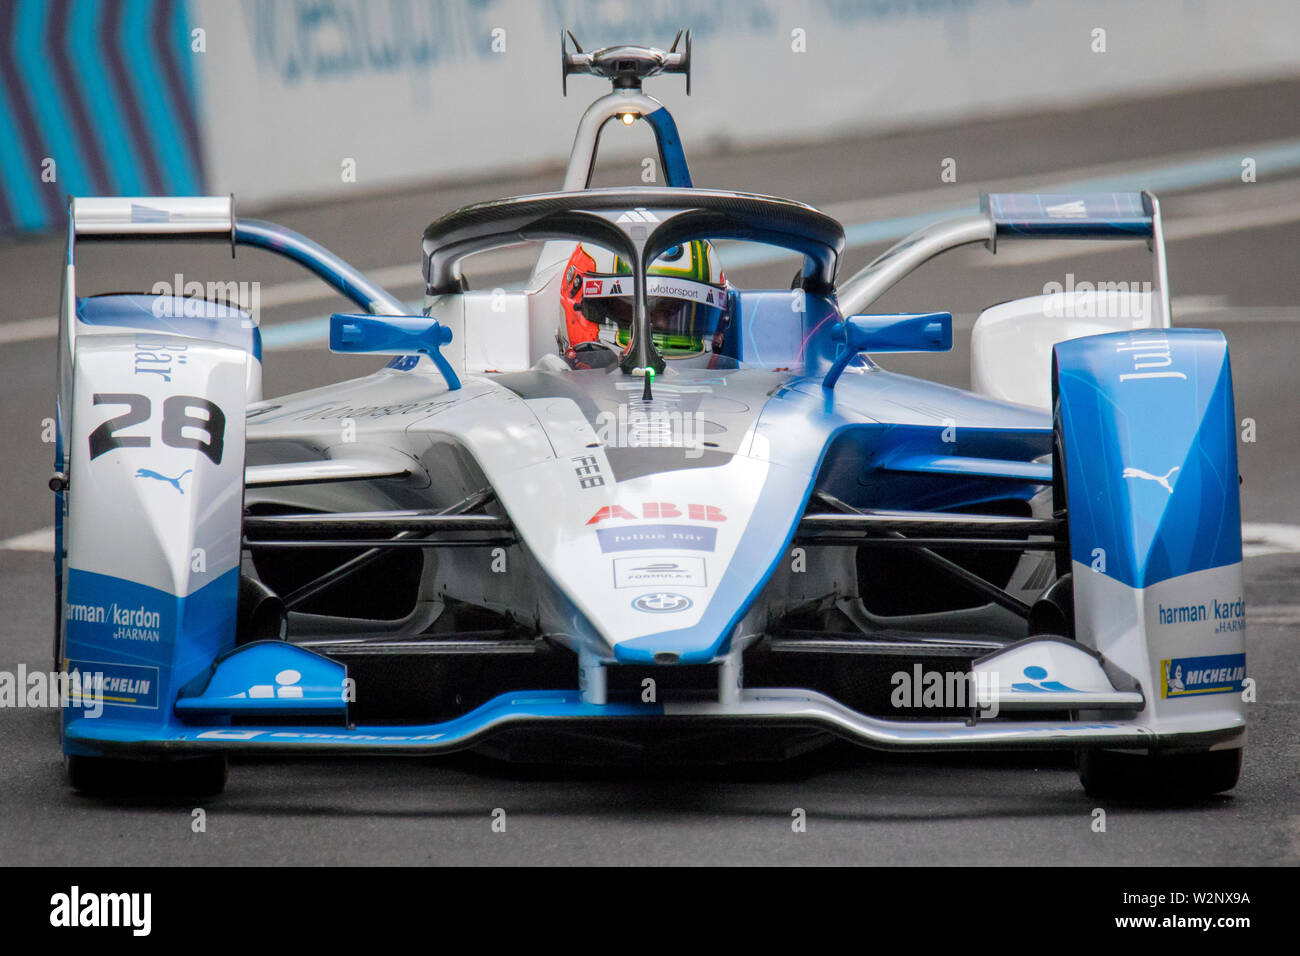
(686, 300)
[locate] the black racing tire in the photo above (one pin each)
(1169, 777)
(111, 776)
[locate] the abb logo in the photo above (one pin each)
(659, 509)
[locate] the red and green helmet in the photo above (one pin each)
(686, 299)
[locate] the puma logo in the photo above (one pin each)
(1161, 480)
(174, 482)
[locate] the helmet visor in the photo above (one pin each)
(683, 313)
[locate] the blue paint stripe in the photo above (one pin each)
(65, 74)
(676, 170)
(180, 29)
(97, 89)
(175, 62)
(86, 735)
(55, 122)
(19, 182)
(178, 175)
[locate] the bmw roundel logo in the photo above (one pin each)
(662, 602)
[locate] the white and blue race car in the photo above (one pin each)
(631, 508)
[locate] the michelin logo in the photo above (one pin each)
(1199, 676)
(122, 685)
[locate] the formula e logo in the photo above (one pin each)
(662, 602)
(1161, 480)
(686, 571)
(174, 482)
(659, 509)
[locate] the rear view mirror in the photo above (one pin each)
(393, 335)
(921, 332)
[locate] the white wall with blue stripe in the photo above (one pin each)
(96, 97)
(274, 99)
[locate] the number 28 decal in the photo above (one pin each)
(177, 417)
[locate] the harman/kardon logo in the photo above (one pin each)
(77, 909)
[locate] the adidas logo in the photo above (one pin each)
(639, 214)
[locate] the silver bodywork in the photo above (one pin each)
(622, 526)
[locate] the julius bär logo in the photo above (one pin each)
(1151, 354)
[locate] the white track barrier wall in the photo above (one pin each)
(418, 90)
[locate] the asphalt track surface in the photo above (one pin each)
(1232, 265)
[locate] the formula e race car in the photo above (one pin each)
(628, 509)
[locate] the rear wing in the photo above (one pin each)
(1130, 215)
(125, 217)
(202, 218)
(213, 217)
(1072, 215)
